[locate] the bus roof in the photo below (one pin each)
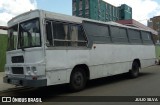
(63, 17)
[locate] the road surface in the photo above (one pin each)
(147, 84)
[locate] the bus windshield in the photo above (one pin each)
(13, 36)
(27, 37)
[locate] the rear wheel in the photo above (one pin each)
(134, 72)
(78, 79)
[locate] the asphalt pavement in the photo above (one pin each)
(4, 86)
(147, 84)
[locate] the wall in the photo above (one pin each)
(3, 47)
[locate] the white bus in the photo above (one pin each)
(47, 48)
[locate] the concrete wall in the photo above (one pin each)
(3, 32)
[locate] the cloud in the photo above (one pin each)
(142, 9)
(11, 8)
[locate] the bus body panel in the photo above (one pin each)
(104, 60)
(33, 57)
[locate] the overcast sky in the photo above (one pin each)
(142, 9)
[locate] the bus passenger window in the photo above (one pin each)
(81, 37)
(60, 33)
(119, 35)
(77, 36)
(49, 38)
(64, 34)
(134, 36)
(147, 38)
(74, 35)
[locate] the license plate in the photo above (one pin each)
(15, 82)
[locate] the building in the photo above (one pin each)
(125, 12)
(3, 46)
(100, 10)
(154, 23)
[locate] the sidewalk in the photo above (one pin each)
(4, 86)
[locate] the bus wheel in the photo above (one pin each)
(78, 80)
(134, 72)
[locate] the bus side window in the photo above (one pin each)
(77, 36)
(64, 34)
(134, 36)
(60, 33)
(81, 36)
(49, 38)
(119, 35)
(73, 35)
(147, 38)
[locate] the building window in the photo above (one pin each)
(74, 13)
(113, 11)
(80, 13)
(87, 16)
(74, 6)
(87, 4)
(107, 9)
(80, 5)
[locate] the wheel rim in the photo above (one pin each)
(78, 79)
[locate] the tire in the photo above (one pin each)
(78, 80)
(134, 72)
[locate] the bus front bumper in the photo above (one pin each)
(25, 82)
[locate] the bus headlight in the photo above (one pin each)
(7, 71)
(34, 69)
(28, 70)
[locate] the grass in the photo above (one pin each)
(158, 51)
(3, 47)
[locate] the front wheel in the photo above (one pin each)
(134, 72)
(78, 80)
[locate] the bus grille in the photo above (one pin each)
(17, 59)
(17, 70)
